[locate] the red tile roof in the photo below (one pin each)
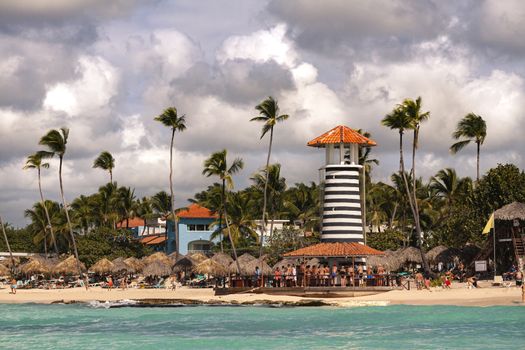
(196, 211)
(153, 239)
(132, 222)
(340, 134)
(336, 249)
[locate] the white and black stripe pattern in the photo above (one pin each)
(342, 221)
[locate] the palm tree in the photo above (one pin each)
(127, 204)
(34, 161)
(474, 128)
(269, 115)
(217, 165)
(105, 161)
(449, 186)
(56, 142)
(7, 245)
(170, 119)
(400, 120)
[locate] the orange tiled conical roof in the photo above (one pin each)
(336, 249)
(341, 134)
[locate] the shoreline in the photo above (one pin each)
(457, 296)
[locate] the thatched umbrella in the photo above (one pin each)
(285, 262)
(159, 256)
(68, 266)
(4, 271)
(157, 268)
(102, 266)
(198, 257)
(185, 263)
(34, 266)
(514, 210)
(211, 267)
(223, 259)
(433, 253)
(245, 258)
(449, 255)
(120, 266)
(134, 264)
(249, 268)
(409, 255)
(8, 262)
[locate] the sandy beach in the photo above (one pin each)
(459, 295)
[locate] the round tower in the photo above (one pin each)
(342, 217)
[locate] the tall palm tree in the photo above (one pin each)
(35, 161)
(400, 120)
(474, 128)
(449, 186)
(56, 142)
(217, 165)
(7, 245)
(413, 110)
(170, 119)
(269, 115)
(105, 161)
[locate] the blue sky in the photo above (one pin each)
(106, 68)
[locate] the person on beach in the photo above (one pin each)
(342, 274)
(277, 277)
(301, 274)
(110, 283)
(380, 273)
(307, 275)
(124, 283)
(350, 272)
(419, 280)
(519, 278)
(360, 275)
(13, 286)
(333, 275)
(315, 275)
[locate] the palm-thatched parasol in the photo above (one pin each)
(159, 256)
(433, 253)
(243, 261)
(34, 266)
(68, 266)
(249, 268)
(223, 259)
(157, 268)
(8, 262)
(102, 266)
(245, 258)
(135, 264)
(409, 255)
(514, 210)
(211, 267)
(198, 257)
(4, 271)
(184, 263)
(469, 252)
(449, 255)
(119, 266)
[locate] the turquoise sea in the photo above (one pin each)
(207, 327)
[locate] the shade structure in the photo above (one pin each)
(512, 211)
(211, 267)
(8, 262)
(119, 266)
(198, 257)
(159, 256)
(389, 261)
(409, 255)
(285, 262)
(4, 270)
(102, 266)
(249, 268)
(157, 268)
(34, 266)
(223, 259)
(68, 266)
(335, 250)
(134, 264)
(433, 253)
(185, 263)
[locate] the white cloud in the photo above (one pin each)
(133, 131)
(93, 90)
(260, 46)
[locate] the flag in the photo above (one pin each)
(489, 225)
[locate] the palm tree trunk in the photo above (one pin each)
(414, 197)
(47, 213)
(265, 199)
(477, 162)
(231, 239)
(110, 175)
(8, 246)
(73, 241)
(175, 226)
(221, 212)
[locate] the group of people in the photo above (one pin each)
(320, 275)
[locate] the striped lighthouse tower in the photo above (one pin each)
(342, 219)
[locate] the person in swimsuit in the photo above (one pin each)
(333, 275)
(13, 286)
(277, 277)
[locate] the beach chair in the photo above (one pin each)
(160, 284)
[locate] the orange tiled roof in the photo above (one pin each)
(340, 134)
(153, 239)
(132, 222)
(196, 211)
(336, 249)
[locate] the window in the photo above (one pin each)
(197, 227)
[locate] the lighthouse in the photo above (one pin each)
(342, 216)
